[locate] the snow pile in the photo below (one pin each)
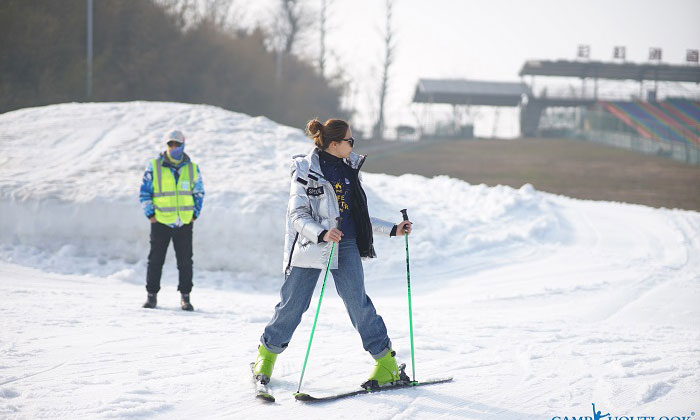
(71, 174)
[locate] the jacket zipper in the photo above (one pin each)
(291, 252)
(177, 196)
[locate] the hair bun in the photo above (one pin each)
(314, 127)
(324, 134)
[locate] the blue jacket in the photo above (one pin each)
(146, 194)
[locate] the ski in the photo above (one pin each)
(301, 396)
(262, 391)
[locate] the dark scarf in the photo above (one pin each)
(359, 211)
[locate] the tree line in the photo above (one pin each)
(150, 50)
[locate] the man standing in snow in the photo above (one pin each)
(171, 196)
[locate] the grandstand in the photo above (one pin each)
(665, 122)
(668, 127)
(676, 120)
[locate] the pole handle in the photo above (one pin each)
(338, 221)
(405, 216)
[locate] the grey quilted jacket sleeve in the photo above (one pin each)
(381, 227)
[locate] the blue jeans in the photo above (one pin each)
(349, 278)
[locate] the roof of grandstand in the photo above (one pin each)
(616, 71)
(470, 92)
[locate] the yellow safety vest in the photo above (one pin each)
(172, 201)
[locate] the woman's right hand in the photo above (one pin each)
(333, 235)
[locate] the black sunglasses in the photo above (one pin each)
(350, 140)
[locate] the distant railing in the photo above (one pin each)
(678, 151)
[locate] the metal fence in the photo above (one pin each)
(675, 150)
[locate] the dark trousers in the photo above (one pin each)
(182, 242)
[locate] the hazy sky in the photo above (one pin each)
(487, 40)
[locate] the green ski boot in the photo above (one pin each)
(386, 372)
(263, 365)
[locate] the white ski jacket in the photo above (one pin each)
(313, 208)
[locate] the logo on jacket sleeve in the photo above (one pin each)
(314, 192)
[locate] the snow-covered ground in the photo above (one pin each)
(539, 305)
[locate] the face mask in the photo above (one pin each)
(177, 152)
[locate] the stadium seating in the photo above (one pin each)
(669, 120)
(687, 111)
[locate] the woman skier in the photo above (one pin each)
(325, 185)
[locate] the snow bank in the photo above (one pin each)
(71, 175)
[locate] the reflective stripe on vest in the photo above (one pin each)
(172, 201)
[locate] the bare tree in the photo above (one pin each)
(292, 22)
(189, 13)
(389, 52)
(285, 29)
(322, 50)
(183, 11)
(218, 12)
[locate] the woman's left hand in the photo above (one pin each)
(404, 227)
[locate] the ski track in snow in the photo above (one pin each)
(537, 304)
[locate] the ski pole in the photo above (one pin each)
(410, 307)
(318, 309)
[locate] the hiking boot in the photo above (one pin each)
(185, 302)
(151, 301)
